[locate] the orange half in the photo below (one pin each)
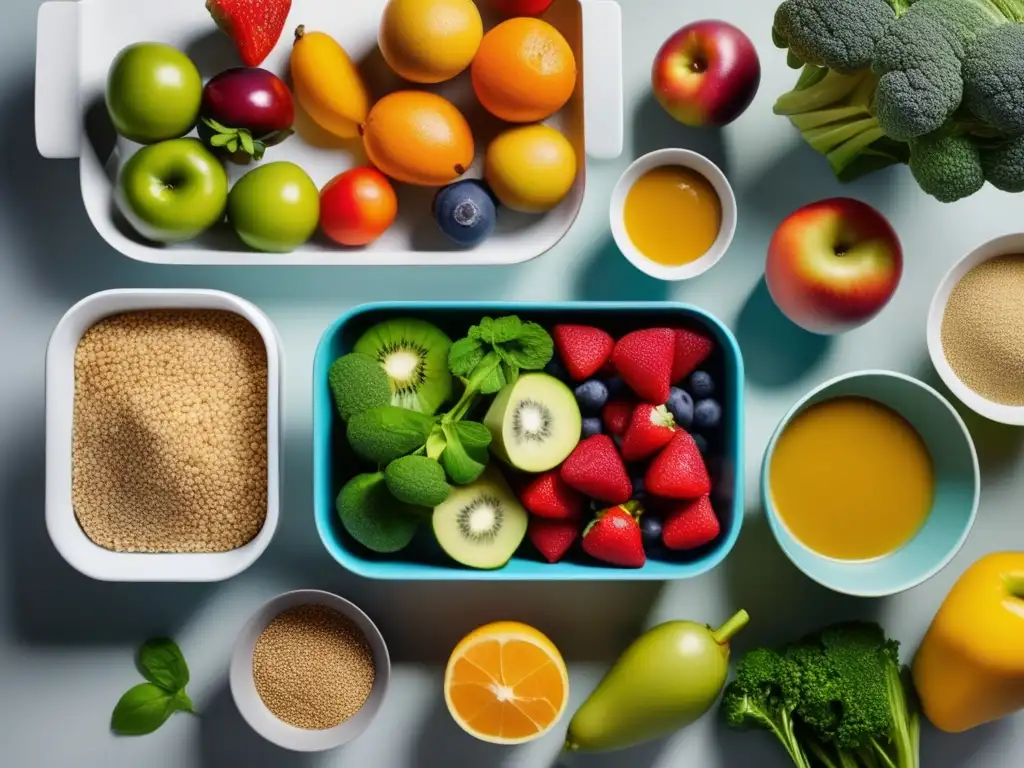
(506, 683)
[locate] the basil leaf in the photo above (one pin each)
(163, 664)
(461, 468)
(182, 703)
(464, 356)
(385, 433)
(436, 443)
(533, 349)
(474, 436)
(142, 710)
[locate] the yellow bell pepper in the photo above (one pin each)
(969, 669)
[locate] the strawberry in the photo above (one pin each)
(615, 538)
(549, 496)
(690, 525)
(595, 468)
(691, 349)
(553, 538)
(584, 350)
(651, 428)
(678, 472)
(255, 26)
(644, 361)
(616, 415)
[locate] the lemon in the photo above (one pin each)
(531, 168)
(430, 41)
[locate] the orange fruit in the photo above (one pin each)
(418, 137)
(524, 71)
(506, 683)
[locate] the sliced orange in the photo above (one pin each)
(506, 683)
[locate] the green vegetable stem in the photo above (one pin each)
(147, 706)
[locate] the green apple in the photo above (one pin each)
(172, 191)
(154, 93)
(275, 208)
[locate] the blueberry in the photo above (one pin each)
(650, 529)
(638, 487)
(592, 395)
(707, 414)
(557, 369)
(702, 444)
(680, 405)
(616, 387)
(592, 426)
(465, 212)
(701, 384)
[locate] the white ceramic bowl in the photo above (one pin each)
(1000, 246)
(261, 719)
(687, 159)
(65, 532)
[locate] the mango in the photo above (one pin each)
(418, 138)
(328, 85)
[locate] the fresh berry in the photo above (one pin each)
(702, 385)
(707, 414)
(583, 349)
(650, 529)
(701, 442)
(615, 538)
(616, 416)
(548, 496)
(691, 525)
(591, 426)
(650, 429)
(591, 396)
(553, 538)
(680, 405)
(644, 361)
(557, 369)
(595, 468)
(616, 387)
(690, 350)
(678, 472)
(255, 26)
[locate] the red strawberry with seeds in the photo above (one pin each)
(584, 350)
(549, 496)
(690, 350)
(651, 428)
(690, 525)
(678, 472)
(595, 468)
(255, 26)
(616, 415)
(644, 361)
(553, 538)
(615, 538)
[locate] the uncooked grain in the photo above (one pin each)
(169, 446)
(983, 330)
(313, 667)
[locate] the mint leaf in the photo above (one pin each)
(461, 468)
(473, 435)
(505, 329)
(142, 710)
(163, 664)
(494, 380)
(534, 349)
(465, 355)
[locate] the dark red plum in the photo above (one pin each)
(245, 110)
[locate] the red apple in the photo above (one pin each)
(833, 265)
(511, 8)
(707, 73)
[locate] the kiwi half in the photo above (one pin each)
(481, 525)
(414, 355)
(535, 423)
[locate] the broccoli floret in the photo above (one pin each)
(993, 73)
(358, 383)
(919, 63)
(839, 34)
(417, 480)
(947, 167)
(1004, 165)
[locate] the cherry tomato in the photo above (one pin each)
(357, 207)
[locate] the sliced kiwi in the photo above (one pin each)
(375, 518)
(535, 423)
(481, 525)
(414, 355)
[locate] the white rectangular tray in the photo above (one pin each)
(77, 41)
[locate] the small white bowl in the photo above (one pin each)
(256, 713)
(1005, 245)
(65, 532)
(687, 159)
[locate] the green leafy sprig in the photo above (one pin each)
(239, 142)
(147, 706)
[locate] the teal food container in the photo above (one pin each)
(424, 560)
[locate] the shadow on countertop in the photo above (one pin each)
(654, 129)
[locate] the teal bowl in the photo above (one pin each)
(957, 488)
(424, 560)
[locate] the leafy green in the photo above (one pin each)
(417, 480)
(474, 435)
(381, 435)
(462, 466)
(374, 517)
(163, 664)
(147, 706)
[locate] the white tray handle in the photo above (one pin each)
(58, 113)
(602, 79)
